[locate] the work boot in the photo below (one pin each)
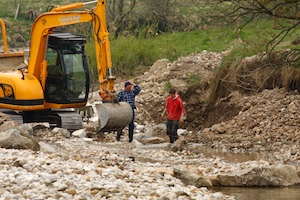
(175, 138)
(119, 133)
(130, 135)
(171, 139)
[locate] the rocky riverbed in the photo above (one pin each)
(73, 167)
(40, 163)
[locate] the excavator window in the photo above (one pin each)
(68, 75)
(54, 65)
(54, 80)
(76, 77)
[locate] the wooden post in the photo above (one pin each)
(17, 11)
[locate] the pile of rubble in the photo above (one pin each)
(267, 121)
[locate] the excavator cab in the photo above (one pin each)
(67, 70)
(68, 83)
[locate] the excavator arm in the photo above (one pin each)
(5, 46)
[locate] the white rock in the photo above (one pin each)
(81, 133)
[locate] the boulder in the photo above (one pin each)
(12, 139)
(278, 175)
(192, 176)
(152, 140)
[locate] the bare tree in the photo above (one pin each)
(118, 12)
(247, 11)
(160, 8)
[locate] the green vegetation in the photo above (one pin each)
(131, 52)
(167, 86)
(194, 79)
(135, 53)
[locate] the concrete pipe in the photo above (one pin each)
(113, 116)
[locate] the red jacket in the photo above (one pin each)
(174, 107)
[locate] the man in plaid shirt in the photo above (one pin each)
(128, 96)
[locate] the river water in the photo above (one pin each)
(249, 193)
(261, 193)
(240, 193)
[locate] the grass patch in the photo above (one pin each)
(134, 54)
(167, 86)
(130, 53)
(194, 79)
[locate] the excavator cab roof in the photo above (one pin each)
(60, 38)
(67, 43)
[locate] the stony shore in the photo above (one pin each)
(80, 168)
(95, 166)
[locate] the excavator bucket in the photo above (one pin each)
(9, 60)
(108, 116)
(113, 116)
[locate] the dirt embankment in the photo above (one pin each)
(253, 106)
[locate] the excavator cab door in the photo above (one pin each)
(67, 81)
(54, 81)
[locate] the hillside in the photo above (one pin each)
(262, 121)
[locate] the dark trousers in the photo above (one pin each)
(130, 129)
(172, 127)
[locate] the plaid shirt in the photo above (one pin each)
(129, 97)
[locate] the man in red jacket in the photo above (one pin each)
(175, 112)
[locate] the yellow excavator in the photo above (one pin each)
(56, 80)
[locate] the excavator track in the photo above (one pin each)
(67, 119)
(70, 120)
(14, 116)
